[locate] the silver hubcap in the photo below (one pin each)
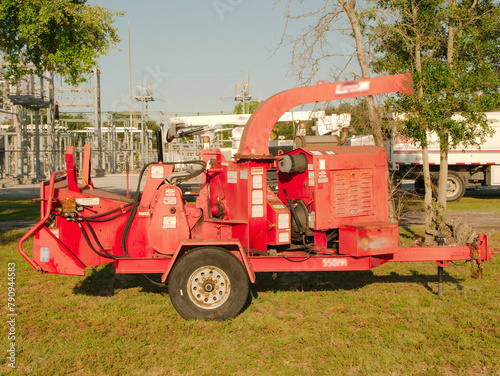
(451, 187)
(208, 287)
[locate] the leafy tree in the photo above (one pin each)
(250, 107)
(75, 125)
(452, 48)
(319, 42)
(153, 125)
(285, 129)
(288, 130)
(359, 115)
(63, 36)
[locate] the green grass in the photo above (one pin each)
(476, 203)
(387, 321)
(14, 209)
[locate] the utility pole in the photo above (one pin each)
(244, 94)
(97, 119)
(130, 91)
(144, 94)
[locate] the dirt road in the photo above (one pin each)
(477, 220)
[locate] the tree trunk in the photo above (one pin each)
(349, 9)
(429, 232)
(429, 212)
(375, 126)
(444, 141)
(443, 184)
(374, 118)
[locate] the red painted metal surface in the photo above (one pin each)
(71, 169)
(368, 240)
(303, 262)
(232, 245)
(254, 141)
(53, 256)
(168, 225)
(141, 265)
(342, 185)
(45, 213)
(86, 168)
(279, 221)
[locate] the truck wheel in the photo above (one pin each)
(420, 186)
(208, 283)
(455, 186)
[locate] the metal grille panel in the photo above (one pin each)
(352, 193)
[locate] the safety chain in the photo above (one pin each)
(476, 268)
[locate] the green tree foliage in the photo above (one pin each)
(452, 48)
(285, 129)
(288, 130)
(318, 43)
(152, 125)
(360, 120)
(458, 75)
(67, 118)
(250, 107)
(63, 36)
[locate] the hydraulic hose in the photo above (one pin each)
(302, 231)
(107, 219)
(104, 253)
(94, 217)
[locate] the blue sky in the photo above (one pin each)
(196, 50)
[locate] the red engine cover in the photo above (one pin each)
(342, 185)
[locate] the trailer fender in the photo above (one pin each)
(232, 245)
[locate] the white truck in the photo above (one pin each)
(467, 167)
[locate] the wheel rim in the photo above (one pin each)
(208, 287)
(452, 187)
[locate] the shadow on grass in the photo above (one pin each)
(408, 233)
(12, 209)
(334, 281)
(12, 235)
(489, 193)
(102, 281)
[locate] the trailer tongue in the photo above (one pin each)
(330, 214)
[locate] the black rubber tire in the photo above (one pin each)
(455, 186)
(208, 283)
(420, 186)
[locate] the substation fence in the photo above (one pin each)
(21, 158)
(34, 158)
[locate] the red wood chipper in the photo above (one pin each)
(330, 213)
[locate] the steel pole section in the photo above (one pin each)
(97, 115)
(24, 144)
(440, 280)
(37, 145)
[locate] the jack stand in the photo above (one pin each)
(440, 281)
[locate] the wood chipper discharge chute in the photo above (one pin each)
(329, 213)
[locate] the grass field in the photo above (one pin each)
(388, 321)
(472, 201)
(12, 209)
